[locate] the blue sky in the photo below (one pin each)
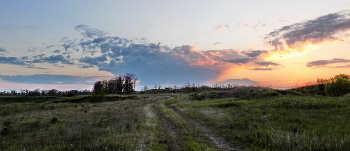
(70, 44)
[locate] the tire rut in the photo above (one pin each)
(173, 142)
(219, 141)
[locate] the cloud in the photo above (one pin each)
(267, 63)
(218, 27)
(254, 53)
(345, 66)
(222, 26)
(323, 63)
(2, 50)
(261, 69)
(215, 43)
(52, 59)
(11, 60)
(47, 79)
(6, 85)
(89, 32)
(244, 81)
(247, 25)
(325, 28)
(95, 60)
(240, 61)
(48, 47)
(151, 62)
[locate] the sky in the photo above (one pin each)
(71, 44)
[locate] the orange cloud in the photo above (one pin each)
(218, 27)
(247, 25)
(222, 26)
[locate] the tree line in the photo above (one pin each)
(44, 92)
(117, 85)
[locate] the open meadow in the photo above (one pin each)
(245, 118)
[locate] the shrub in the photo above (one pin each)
(98, 95)
(337, 86)
(70, 94)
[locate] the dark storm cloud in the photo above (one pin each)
(326, 62)
(254, 53)
(89, 32)
(48, 79)
(321, 29)
(240, 61)
(267, 63)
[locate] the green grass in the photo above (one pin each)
(117, 125)
(279, 123)
(24, 99)
(252, 118)
(192, 139)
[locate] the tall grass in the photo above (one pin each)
(121, 125)
(278, 123)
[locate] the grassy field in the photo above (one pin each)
(239, 119)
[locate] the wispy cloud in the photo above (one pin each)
(222, 26)
(48, 79)
(323, 63)
(244, 81)
(261, 69)
(267, 63)
(325, 28)
(11, 60)
(2, 50)
(254, 53)
(345, 66)
(240, 61)
(89, 32)
(52, 59)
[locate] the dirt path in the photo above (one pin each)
(173, 141)
(219, 141)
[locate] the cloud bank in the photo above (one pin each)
(157, 63)
(151, 62)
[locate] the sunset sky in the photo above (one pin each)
(69, 44)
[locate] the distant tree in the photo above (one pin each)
(145, 88)
(98, 86)
(13, 92)
(130, 81)
(119, 84)
(338, 86)
(52, 92)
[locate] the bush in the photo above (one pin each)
(70, 94)
(338, 86)
(98, 95)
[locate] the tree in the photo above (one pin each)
(119, 82)
(145, 88)
(338, 86)
(130, 81)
